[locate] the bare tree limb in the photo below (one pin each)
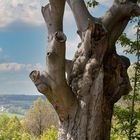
(117, 17)
(52, 83)
(56, 57)
(42, 82)
(60, 97)
(53, 15)
(77, 7)
(117, 31)
(96, 79)
(118, 12)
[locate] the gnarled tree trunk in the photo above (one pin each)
(97, 75)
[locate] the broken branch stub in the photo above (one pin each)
(52, 83)
(53, 15)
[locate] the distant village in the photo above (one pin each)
(3, 108)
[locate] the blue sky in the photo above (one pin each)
(23, 42)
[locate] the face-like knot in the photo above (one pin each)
(34, 75)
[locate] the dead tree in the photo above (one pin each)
(96, 77)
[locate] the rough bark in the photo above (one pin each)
(96, 77)
(52, 82)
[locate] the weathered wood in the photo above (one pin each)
(96, 77)
(77, 6)
(52, 83)
(117, 17)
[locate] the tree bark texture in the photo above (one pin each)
(96, 77)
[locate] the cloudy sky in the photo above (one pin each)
(23, 42)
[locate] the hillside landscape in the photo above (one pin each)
(17, 104)
(70, 70)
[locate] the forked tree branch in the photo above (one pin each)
(77, 7)
(117, 17)
(118, 12)
(52, 83)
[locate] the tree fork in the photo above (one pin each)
(96, 77)
(52, 83)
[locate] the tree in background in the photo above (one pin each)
(50, 134)
(96, 77)
(127, 114)
(11, 129)
(39, 118)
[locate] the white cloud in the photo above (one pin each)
(5, 67)
(1, 49)
(24, 10)
(18, 82)
(30, 11)
(44, 2)
(120, 49)
(10, 66)
(68, 16)
(71, 47)
(27, 11)
(105, 2)
(131, 31)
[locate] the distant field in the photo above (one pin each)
(11, 114)
(16, 105)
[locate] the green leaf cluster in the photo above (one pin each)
(50, 134)
(11, 129)
(38, 124)
(126, 119)
(92, 3)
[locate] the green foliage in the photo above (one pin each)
(50, 134)
(14, 129)
(39, 121)
(16, 110)
(123, 123)
(126, 120)
(129, 45)
(92, 3)
(39, 118)
(11, 129)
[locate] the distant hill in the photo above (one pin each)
(17, 104)
(4, 99)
